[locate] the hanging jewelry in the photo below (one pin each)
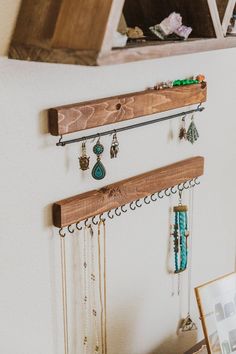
(64, 293)
(114, 146)
(192, 133)
(85, 292)
(93, 289)
(180, 235)
(188, 324)
(183, 132)
(98, 171)
(84, 159)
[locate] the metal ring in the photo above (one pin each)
(117, 213)
(167, 194)
(159, 195)
(192, 183)
(61, 233)
(136, 203)
(186, 186)
(108, 214)
(122, 209)
(173, 191)
(145, 200)
(94, 222)
(131, 206)
(69, 229)
(153, 199)
(78, 227)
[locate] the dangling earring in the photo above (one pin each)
(98, 171)
(192, 133)
(183, 132)
(180, 235)
(84, 159)
(114, 147)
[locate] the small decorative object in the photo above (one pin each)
(114, 146)
(201, 78)
(98, 171)
(84, 159)
(180, 235)
(181, 82)
(188, 324)
(183, 32)
(134, 33)
(119, 39)
(183, 132)
(185, 82)
(192, 133)
(213, 299)
(168, 26)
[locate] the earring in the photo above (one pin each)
(114, 146)
(98, 171)
(192, 133)
(183, 132)
(84, 159)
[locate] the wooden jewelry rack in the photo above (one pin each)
(91, 114)
(86, 205)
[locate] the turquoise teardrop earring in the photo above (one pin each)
(98, 171)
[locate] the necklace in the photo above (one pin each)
(85, 291)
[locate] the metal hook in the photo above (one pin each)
(61, 233)
(159, 195)
(116, 212)
(186, 186)
(180, 189)
(78, 227)
(85, 223)
(173, 191)
(94, 222)
(131, 206)
(167, 194)
(70, 230)
(153, 199)
(110, 217)
(145, 200)
(196, 181)
(136, 203)
(123, 210)
(192, 183)
(100, 217)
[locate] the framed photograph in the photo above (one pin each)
(217, 307)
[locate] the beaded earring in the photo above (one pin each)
(98, 171)
(192, 133)
(180, 235)
(183, 132)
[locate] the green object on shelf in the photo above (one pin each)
(185, 82)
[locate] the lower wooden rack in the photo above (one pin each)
(83, 206)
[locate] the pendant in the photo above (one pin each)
(98, 171)
(192, 133)
(84, 159)
(114, 147)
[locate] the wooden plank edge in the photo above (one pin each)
(125, 55)
(111, 197)
(54, 113)
(20, 51)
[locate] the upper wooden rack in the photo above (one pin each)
(85, 115)
(86, 205)
(81, 32)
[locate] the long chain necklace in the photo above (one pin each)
(64, 293)
(85, 291)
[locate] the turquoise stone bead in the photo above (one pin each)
(98, 171)
(98, 149)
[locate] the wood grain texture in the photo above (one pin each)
(86, 115)
(82, 24)
(83, 206)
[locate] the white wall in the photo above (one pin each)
(143, 315)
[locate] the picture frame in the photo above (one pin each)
(217, 306)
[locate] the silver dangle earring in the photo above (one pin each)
(114, 146)
(84, 159)
(192, 133)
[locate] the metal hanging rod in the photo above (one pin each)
(129, 127)
(131, 206)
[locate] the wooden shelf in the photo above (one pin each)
(81, 32)
(86, 205)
